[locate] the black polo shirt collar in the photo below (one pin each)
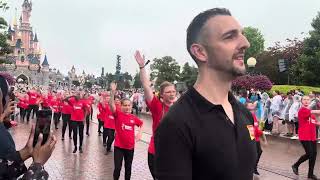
(206, 106)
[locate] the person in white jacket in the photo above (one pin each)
(293, 115)
(276, 104)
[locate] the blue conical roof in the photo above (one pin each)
(45, 61)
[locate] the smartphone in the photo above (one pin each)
(43, 125)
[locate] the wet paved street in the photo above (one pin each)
(275, 163)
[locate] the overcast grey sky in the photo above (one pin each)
(90, 33)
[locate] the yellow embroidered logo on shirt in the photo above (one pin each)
(251, 131)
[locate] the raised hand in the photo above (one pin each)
(113, 86)
(140, 59)
(41, 153)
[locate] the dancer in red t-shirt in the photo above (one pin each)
(157, 107)
(66, 111)
(78, 114)
(88, 102)
(307, 136)
(101, 110)
(34, 100)
(23, 105)
(125, 123)
(55, 105)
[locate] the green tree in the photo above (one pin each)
(4, 46)
(137, 83)
(308, 64)
(4, 5)
(164, 69)
(124, 81)
(256, 40)
(189, 74)
(76, 83)
(88, 84)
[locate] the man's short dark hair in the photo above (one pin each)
(196, 25)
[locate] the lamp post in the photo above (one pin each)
(251, 62)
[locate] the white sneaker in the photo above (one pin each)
(294, 137)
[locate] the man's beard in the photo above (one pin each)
(236, 72)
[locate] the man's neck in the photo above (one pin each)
(214, 86)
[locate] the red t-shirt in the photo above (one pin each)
(33, 98)
(257, 131)
(158, 109)
(23, 103)
(78, 109)
(125, 124)
(46, 102)
(101, 110)
(66, 108)
(88, 104)
(56, 104)
(307, 128)
(109, 121)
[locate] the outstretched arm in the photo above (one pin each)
(148, 94)
(316, 112)
(113, 87)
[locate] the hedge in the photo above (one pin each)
(287, 88)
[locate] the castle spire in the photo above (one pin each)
(45, 61)
(35, 37)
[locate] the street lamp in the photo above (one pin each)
(251, 62)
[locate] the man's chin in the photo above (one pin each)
(239, 72)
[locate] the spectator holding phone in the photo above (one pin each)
(11, 161)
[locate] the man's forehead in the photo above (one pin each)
(222, 24)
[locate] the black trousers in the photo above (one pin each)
(56, 118)
(34, 109)
(136, 107)
(77, 125)
(100, 126)
(151, 164)
(259, 152)
(296, 125)
(119, 155)
(91, 113)
(310, 148)
(22, 113)
(66, 122)
(108, 133)
(87, 123)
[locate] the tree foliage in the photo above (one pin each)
(256, 40)
(4, 5)
(137, 83)
(306, 70)
(76, 83)
(4, 46)
(189, 74)
(165, 69)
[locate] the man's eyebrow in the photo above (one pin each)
(230, 32)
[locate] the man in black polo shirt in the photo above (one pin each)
(208, 134)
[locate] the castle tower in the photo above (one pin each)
(25, 27)
(45, 71)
